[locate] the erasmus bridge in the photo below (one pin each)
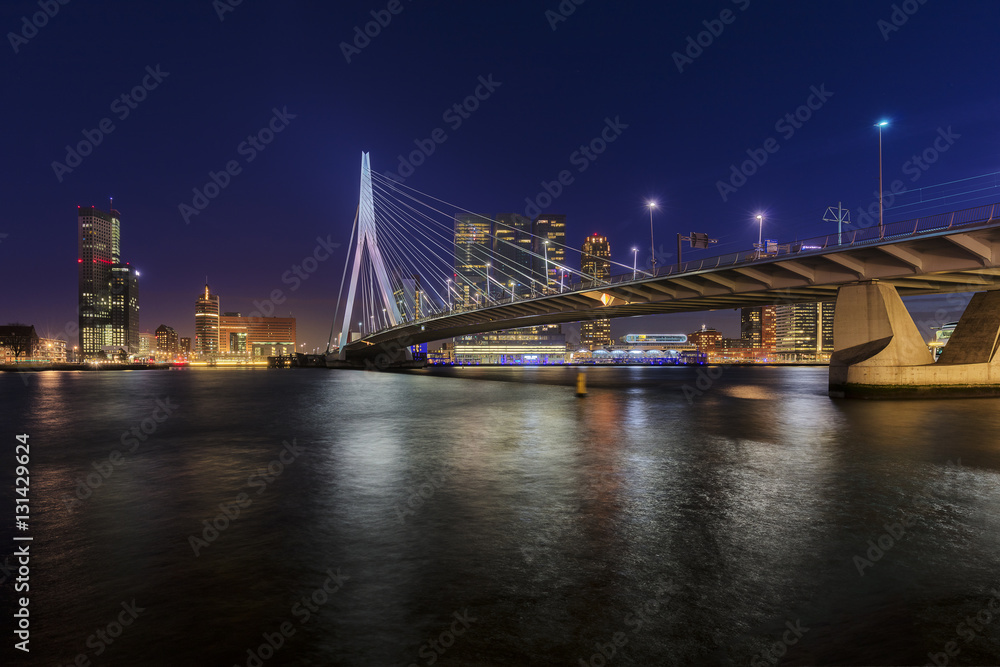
(401, 232)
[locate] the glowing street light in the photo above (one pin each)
(545, 287)
(760, 230)
(880, 125)
(449, 294)
(635, 260)
(652, 245)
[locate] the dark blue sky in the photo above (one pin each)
(221, 80)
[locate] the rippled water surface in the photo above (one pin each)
(487, 516)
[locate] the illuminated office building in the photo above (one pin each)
(473, 248)
(166, 340)
(552, 255)
(206, 323)
(757, 327)
(108, 289)
(512, 250)
(256, 337)
(804, 331)
(596, 262)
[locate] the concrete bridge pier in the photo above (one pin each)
(879, 353)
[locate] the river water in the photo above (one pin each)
(487, 516)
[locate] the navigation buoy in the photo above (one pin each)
(581, 385)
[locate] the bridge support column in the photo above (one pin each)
(879, 353)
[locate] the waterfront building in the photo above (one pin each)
(757, 327)
(514, 346)
(166, 340)
(804, 331)
(206, 323)
(185, 345)
(596, 263)
(147, 343)
(51, 349)
(706, 340)
(18, 342)
(108, 289)
(256, 337)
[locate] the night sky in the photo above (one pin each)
(215, 74)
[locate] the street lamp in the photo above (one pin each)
(880, 125)
(488, 289)
(652, 246)
(635, 259)
(545, 286)
(449, 295)
(760, 230)
(512, 291)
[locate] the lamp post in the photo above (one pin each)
(880, 125)
(488, 287)
(635, 260)
(545, 285)
(652, 245)
(760, 232)
(449, 295)
(512, 291)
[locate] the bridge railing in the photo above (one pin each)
(852, 238)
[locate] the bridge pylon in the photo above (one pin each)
(367, 246)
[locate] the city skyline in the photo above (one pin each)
(203, 168)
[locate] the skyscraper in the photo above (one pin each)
(804, 331)
(108, 289)
(596, 263)
(206, 323)
(473, 247)
(512, 249)
(551, 255)
(757, 327)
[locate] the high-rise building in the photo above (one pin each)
(166, 340)
(185, 345)
(108, 288)
(596, 263)
(757, 327)
(206, 323)
(804, 331)
(473, 247)
(550, 248)
(125, 307)
(512, 249)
